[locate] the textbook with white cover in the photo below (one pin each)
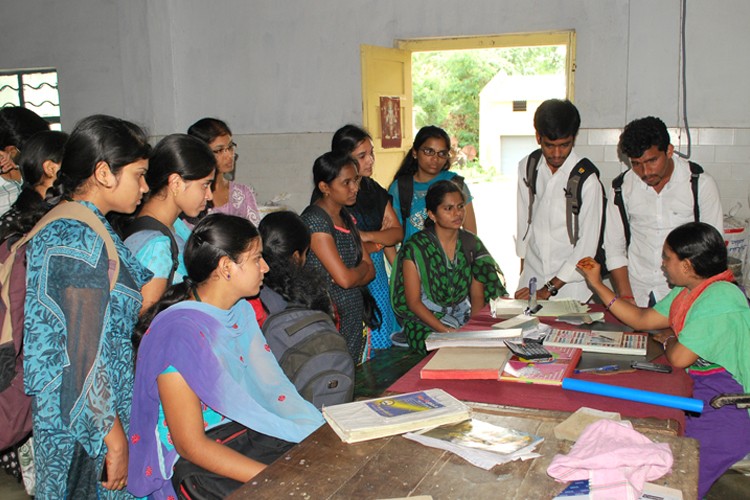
(480, 338)
(376, 418)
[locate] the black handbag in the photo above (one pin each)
(192, 482)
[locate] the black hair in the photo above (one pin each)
(98, 138)
(208, 129)
(94, 139)
(181, 154)
(217, 235)
(641, 134)
(22, 215)
(702, 245)
(283, 234)
(557, 119)
(327, 168)
(409, 165)
(348, 137)
(17, 125)
(436, 194)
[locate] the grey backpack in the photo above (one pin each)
(313, 354)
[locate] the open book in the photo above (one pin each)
(506, 308)
(480, 443)
(375, 418)
(633, 343)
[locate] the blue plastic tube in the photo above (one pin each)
(653, 398)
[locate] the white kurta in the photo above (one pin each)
(652, 216)
(546, 249)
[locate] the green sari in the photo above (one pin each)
(445, 285)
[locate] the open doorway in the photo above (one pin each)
(497, 83)
(485, 99)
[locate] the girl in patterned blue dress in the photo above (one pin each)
(377, 223)
(336, 248)
(180, 173)
(78, 356)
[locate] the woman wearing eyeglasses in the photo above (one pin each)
(426, 163)
(230, 197)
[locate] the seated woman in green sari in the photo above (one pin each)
(443, 275)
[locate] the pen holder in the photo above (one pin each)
(653, 398)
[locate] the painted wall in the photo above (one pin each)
(286, 74)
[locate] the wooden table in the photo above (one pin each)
(323, 467)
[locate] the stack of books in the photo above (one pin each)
(466, 363)
(480, 443)
(376, 418)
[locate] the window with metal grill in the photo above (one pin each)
(34, 89)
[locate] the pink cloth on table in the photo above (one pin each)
(616, 460)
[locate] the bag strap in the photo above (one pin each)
(405, 185)
(468, 242)
(695, 173)
(574, 196)
(148, 223)
(620, 204)
(532, 170)
(64, 210)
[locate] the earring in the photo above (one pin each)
(229, 276)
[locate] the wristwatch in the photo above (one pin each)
(551, 288)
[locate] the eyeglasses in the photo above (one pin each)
(445, 153)
(231, 148)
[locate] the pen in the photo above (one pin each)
(606, 368)
(533, 307)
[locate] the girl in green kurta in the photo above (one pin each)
(443, 275)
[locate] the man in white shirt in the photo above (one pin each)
(544, 245)
(657, 197)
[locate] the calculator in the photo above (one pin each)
(529, 350)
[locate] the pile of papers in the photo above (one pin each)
(480, 443)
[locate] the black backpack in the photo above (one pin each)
(147, 223)
(695, 173)
(313, 354)
(573, 200)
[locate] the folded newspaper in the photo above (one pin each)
(480, 443)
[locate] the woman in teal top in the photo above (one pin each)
(427, 162)
(707, 322)
(181, 171)
(78, 356)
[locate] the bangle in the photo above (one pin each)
(611, 302)
(627, 297)
(666, 341)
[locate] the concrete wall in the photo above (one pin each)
(285, 75)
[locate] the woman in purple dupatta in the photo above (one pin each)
(204, 362)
